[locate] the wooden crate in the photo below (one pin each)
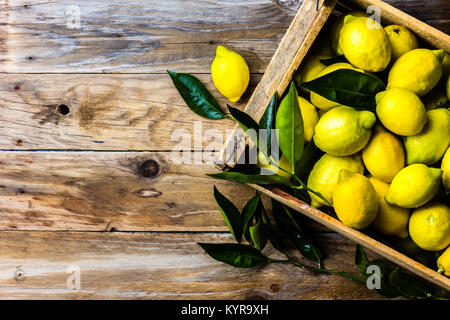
(298, 39)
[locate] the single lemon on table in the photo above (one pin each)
(401, 111)
(414, 186)
(309, 116)
(365, 43)
(443, 263)
(343, 131)
(390, 219)
(335, 31)
(355, 200)
(430, 144)
(445, 167)
(321, 102)
(309, 69)
(429, 226)
(402, 40)
(230, 73)
(383, 156)
(418, 70)
(282, 168)
(325, 174)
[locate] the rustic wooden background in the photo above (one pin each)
(87, 176)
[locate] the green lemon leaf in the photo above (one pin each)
(361, 260)
(196, 96)
(237, 255)
(333, 60)
(258, 235)
(267, 123)
(409, 286)
(230, 214)
(248, 212)
(348, 87)
(251, 178)
(246, 123)
(271, 235)
(295, 233)
(290, 127)
(309, 157)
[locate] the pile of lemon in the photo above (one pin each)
(387, 169)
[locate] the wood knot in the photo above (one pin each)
(149, 168)
(275, 287)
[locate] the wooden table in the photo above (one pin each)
(88, 181)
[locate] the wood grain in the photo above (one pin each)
(106, 112)
(100, 191)
(137, 36)
(160, 266)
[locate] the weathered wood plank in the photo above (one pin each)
(136, 35)
(99, 191)
(160, 266)
(105, 112)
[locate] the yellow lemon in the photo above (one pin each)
(418, 70)
(448, 88)
(401, 111)
(365, 43)
(443, 263)
(355, 200)
(321, 102)
(230, 73)
(414, 186)
(430, 144)
(383, 156)
(283, 163)
(429, 226)
(343, 131)
(335, 31)
(402, 40)
(390, 219)
(309, 116)
(325, 174)
(310, 68)
(445, 166)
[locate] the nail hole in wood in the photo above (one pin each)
(62, 109)
(149, 168)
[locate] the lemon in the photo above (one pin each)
(418, 70)
(321, 102)
(283, 163)
(414, 186)
(430, 144)
(402, 40)
(336, 31)
(390, 219)
(365, 43)
(325, 174)
(230, 73)
(310, 68)
(401, 111)
(443, 263)
(355, 200)
(383, 156)
(445, 167)
(429, 226)
(343, 131)
(309, 116)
